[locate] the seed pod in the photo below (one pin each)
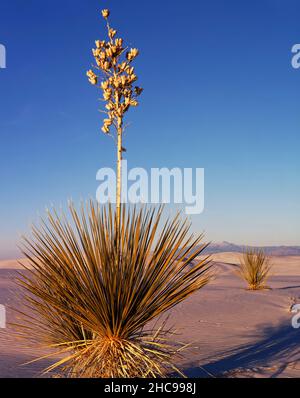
(105, 129)
(109, 52)
(119, 42)
(123, 65)
(117, 82)
(105, 13)
(107, 95)
(130, 70)
(109, 106)
(138, 90)
(106, 65)
(108, 122)
(93, 80)
(133, 103)
(112, 33)
(104, 85)
(133, 78)
(134, 52)
(102, 55)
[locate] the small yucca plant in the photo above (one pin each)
(254, 269)
(94, 284)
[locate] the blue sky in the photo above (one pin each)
(220, 93)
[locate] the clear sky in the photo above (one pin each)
(220, 93)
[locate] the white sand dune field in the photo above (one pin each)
(234, 332)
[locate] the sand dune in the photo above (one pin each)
(235, 333)
(13, 264)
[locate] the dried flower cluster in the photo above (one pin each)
(114, 61)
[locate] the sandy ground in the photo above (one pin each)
(234, 332)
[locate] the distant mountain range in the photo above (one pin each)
(269, 250)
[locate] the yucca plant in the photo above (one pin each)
(99, 277)
(94, 285)
(254, 268)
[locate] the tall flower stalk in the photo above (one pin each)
(115, 77)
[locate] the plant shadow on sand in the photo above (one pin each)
(13, 366)
(276, 349)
